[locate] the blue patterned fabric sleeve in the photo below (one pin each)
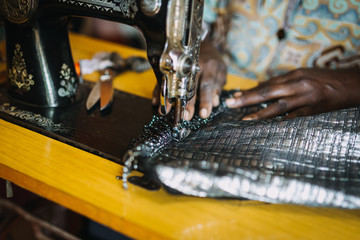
(211, 9)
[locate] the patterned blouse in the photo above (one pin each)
(269, 37)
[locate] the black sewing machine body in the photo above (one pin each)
(40, 66)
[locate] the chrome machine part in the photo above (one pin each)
(179, 60)
(150, 7)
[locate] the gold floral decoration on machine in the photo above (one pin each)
(18, 74)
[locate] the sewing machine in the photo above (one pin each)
(41, 70)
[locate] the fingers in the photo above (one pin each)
(156, 96)
(190, 109)
(261, 94)
(219, 84)
(296, 74)
(301, 112)
(282, 86)
(206, 99)
(212, 80)
(280, 107)
(216, 99)
(156, 101)
(209, 98)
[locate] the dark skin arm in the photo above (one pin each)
(303, 92)
(212, 79)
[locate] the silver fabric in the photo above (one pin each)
(311, 160)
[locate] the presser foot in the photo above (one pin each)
(180, 132)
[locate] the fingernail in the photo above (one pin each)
(230, 101)
(248, 118)
(203, 113)
(186, 115)
(216, 100)
(153, 101)
(238, 94)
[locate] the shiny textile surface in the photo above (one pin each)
(311, 160)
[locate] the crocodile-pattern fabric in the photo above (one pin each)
(311, 160)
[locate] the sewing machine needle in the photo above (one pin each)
(178, 112)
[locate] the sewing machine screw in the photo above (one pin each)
(155, 60)
(168, 64)
(195, 68)
(150, 7)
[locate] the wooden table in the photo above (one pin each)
(87, 184)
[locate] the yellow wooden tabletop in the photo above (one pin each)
(87, 184)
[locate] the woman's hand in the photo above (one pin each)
(302, 92)
(212, 79)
